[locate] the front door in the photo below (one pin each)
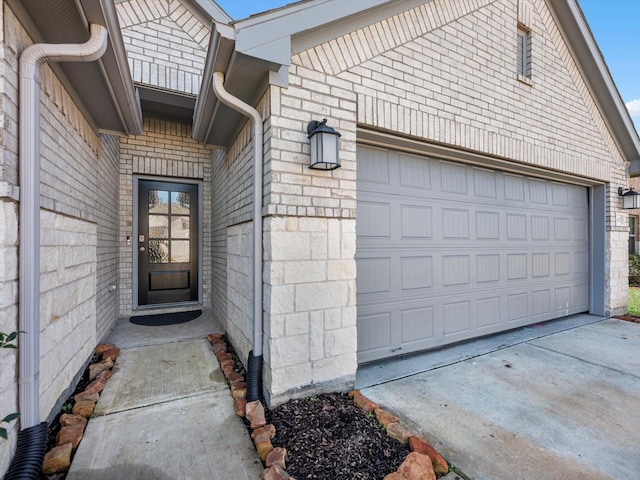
(167, 242)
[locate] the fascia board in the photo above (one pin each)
(116, 68)
(221, 48)
(594, 70)
(207, 10)
(268, 36)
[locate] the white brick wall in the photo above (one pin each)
(232, 200)
(166, 45)
(444, 72)
(164, 149)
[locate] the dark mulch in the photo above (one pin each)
(628, 318)
(327, 437)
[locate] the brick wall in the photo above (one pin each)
(232, 214)
(78, 189)
(444, 72)
(164, 149)
(166, 45)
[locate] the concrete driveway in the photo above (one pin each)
(559, 400)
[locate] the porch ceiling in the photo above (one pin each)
(102, 89)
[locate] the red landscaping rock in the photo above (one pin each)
(238, 384)
(255, 414)
(227, 362)
(240, 392)
(84, 408)
(226, 370)
(269, 429)
(100, 349)
(218, 346)
(70, 434)
(364, 403)
(399, 432)
(67, 419)
(235, 377)
(440, 466)
(97, 368)
(222, 356)
(111, 354)
(394, 476)
(86, 395)
(264, 449)
(106, 375)
(275, 472)
(417, 467)
(384, 417)
(259, 435)
(96, 386)
(353, 393)
(57, 460)
(240, 406)
(214, 336)
(277, 456)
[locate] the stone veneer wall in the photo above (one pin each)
(444, 72)
(166, 151)
(78, 258)
(68, 266)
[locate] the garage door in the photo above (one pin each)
(448, 252)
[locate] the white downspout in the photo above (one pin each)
(29, 283)
(247, 110)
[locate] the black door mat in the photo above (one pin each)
(164, 319)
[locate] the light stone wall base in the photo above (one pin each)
(67, 303)
(240, 288)
(310, 337)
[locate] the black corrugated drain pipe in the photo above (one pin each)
(27, 462)
(254, 377)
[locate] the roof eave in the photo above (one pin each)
(115, 67)
(598, 78)
(102, 90)
(246, 78)
(221, 47)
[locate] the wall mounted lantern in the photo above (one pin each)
(325, 146)
(630, 198)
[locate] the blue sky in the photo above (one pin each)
(613, 23)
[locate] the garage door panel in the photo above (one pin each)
(474, 251)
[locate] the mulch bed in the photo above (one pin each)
(628, 318)
(327, 437)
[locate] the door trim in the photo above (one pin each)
(134, 244)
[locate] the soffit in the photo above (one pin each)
(103, 89)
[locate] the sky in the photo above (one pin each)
(613, 23)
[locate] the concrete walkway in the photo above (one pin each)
(166, 413)
(554, 401)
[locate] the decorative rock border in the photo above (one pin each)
(58, 459)
(423, 463)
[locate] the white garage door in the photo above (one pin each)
(448, 252)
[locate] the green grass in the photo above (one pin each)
(634, 301)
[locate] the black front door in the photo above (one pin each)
(167, 242)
